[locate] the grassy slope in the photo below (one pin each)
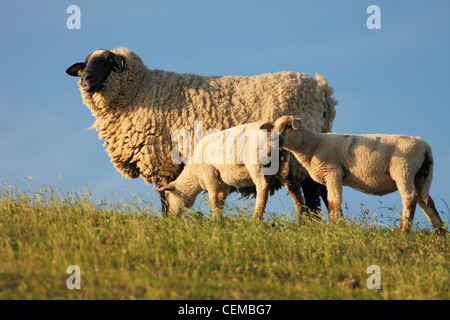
(128, 252)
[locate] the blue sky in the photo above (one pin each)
(392, 80)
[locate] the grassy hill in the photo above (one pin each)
(128, 251)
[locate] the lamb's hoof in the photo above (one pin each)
(257, 217)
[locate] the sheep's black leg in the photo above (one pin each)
(323, 194)
(311, 193)
(162, 197)
(164, 206)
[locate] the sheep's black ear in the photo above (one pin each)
(267, 126)
(167, 187)
(119, 62)
(76, 69)
(296, 123)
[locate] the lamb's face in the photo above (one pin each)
(175, 200)
(290, 133)
(96, 69)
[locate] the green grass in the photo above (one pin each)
(128, 251)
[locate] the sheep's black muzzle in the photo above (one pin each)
(90, 82)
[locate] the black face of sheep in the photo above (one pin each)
(96, 69)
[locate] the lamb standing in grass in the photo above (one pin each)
(217, 165)
(375, 164)
(137, 109)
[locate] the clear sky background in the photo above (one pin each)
(392, 80)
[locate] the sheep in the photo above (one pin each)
(137, 110)
(376, 164)
(232, 158)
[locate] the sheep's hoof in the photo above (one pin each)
(442, 231)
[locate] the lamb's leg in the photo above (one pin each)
(406, 187)
(217, 198)
(335, 210)
(333, 183)
(294, 190)
(409, 207)
(214, 200)
(422, 182)
(221, 197)
(432, 214)
(262, 194)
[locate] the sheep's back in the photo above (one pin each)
(224, 102)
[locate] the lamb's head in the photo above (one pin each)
(177, 201)
(290, 130)
(96, 69)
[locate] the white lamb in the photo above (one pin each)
(375, 164)
(239, 157)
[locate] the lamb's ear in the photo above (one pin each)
(76, 69)
(167, 187)
(283, 122)
(267, 126)
(296, 123)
